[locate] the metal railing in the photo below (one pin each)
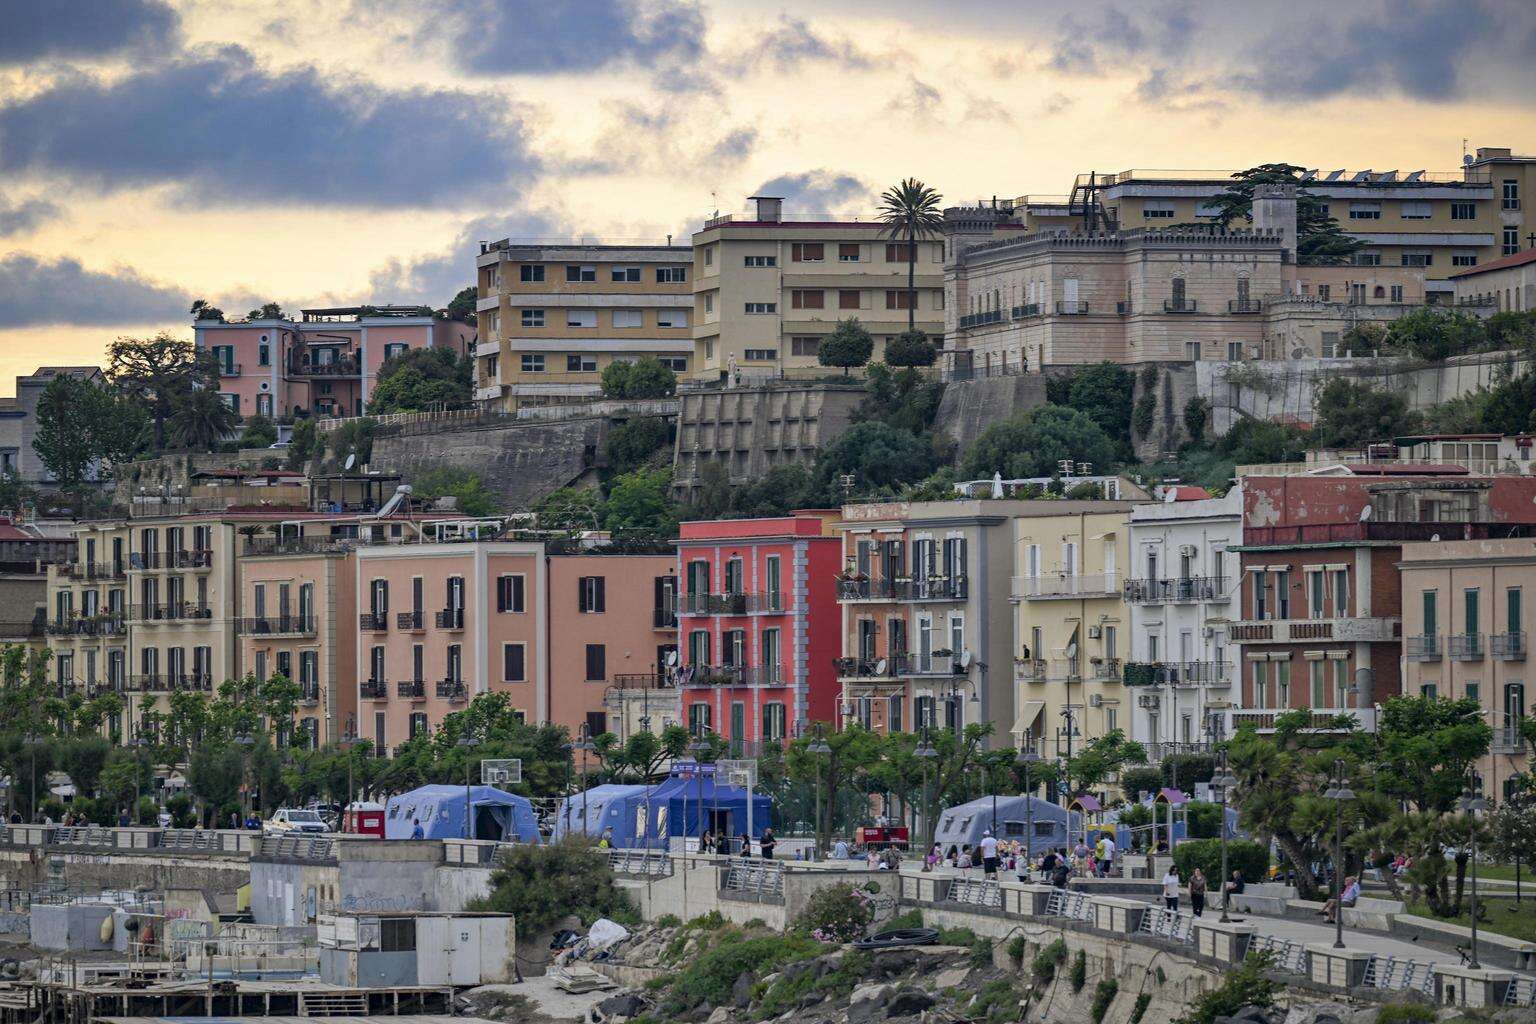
(450, 618)
(1289, 956)
(642, 680)
(643, 863)
(1421, 648)
(1168, 924)
(411, 622)
(1069, 904)
(278, 625)
(1193, 588)
(95, 570)
(737, 675)
(309, 693)
(296, 847)
(1180, 306)
(299, 545)
(336, 368)
(970, 320)
(1028, 309)
(890, 667)
(1520, 992)
(1059, 584)
(975, 893)
(94, 625)
(1508, 740)
(373, 689)
(663, 618)
(184, 611)
(452, 689)
(198, 558)
(1507, 646)
(414, 689)
(760, 879)
(373, 622)
(1177, 673)
(1245, 306)
(1029, 670)
(1465, 646)
(1071, 308)
(1399, 974)
(730, 603)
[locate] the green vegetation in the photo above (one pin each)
(1043, 970)
(1077, 977)
(635, 443)
(461, 484)
(1406, 1013)
(1319, 239)
(641, 379)
(911, 212)
(909, 919)
(1139, 1010)
(1246, 985)
(1503, 915)
(839, 913)
(1032, 443)
(175, 385)
(1017, 947)
(1141, 780)
(462, 306)
(1251, 858)
(668, 921)
(911, 348)
(421, 379)
(303, 444)
(1146, 405)
(541, 884)
(83, 428)
(1103, 994)
(1352, 413)
(790, 989)
(848, 345)
(260, 432)
(998, 1001)
(711, 976)
(956, 937)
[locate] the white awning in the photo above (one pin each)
(1028, 716)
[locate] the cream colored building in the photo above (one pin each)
(1465, 603)
(553, 317)
(767, 289)
(1071, 626)
(1507, 284)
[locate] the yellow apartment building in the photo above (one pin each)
(553, 317)
(768, 288)
(1070, 626)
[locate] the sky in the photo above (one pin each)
(328, 152)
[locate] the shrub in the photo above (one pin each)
(911, 348)
(643, 378)
(541, 884)
(710, 922)
(710, 978)
(1078, 976)
(1435, 334)
(911, 919)
(847, 346)
(788, 992)
(1251, 858)
(1138, 780)
(628, 446)
(1043, 970)
(1103, 994)
(668, 921)
(1247, 985)
(981, 952)
(838, 913)
(1406, 1013)
(1032, 443)
(1140, 1009)
(1016, 948)
(461, 484)
(1184, 770)
(1196, 411)
(956, 936)
(997, 1001)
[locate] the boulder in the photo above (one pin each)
(873, 990)
(908, 1003)
(625, 1004)
(741, 992)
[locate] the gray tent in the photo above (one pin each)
(965, 824)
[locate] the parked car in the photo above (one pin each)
(288, 819)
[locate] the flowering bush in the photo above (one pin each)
(838, 913)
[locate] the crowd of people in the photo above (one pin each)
(1091, 857)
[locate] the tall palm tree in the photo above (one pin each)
(910, 211)
(200, 419)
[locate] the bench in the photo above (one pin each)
(1372, 913)
(1262, 898)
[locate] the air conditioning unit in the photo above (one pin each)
(1208, 632)
(1096, 700)
(1187, 549)
(1095, 632)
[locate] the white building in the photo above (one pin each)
(1181, 592)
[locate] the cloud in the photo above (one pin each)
(1093, 45)
(820, 191)
(1056, 103)
(34, 31)
(36, 292)
(220, 129)
(658, 139)
(919, 99)
(734, 147)
(792, 42)
(18, 218)
(435, 278)
(984, 108)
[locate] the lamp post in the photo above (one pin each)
(140, 744)
(245, 743)
(1340, 794)
(584, 745)
(568, 751)
(32, 741)
(1069, 716)
(818, 749)
(1223, 782)
(925, 753)
(698, 748)
(1026, 759)
(469, 743)
(1471, 803)
(348, 741)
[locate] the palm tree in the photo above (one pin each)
(201, 418)
(910, 211)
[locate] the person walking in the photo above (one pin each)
(1197, 892)
(1171, 889)
(767, 843)
(416, 830)
(989, 855)
(1107, 855)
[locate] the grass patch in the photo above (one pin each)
(1501, 916)
(956, 937)
(1406, 1013)
(785, 993)
(1140, 1009)
(997, 1001)
(1103, 994)
(981, 952)
(911, 919)
(713, 974)
(668, 921)
(1078, 975)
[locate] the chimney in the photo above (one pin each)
(770, 209)
(1274, 210)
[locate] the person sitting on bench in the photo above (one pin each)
(1346, 900)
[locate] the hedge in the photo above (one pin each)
(1242, 855)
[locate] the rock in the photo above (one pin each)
(908, 1002)
(868, 991)
(891, 962)
(741, 992)
(625, 1004)
(950, 977)
(721, 1015)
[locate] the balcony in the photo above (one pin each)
(1507, 646)
(1029, 309)
(1177, 673)
(347, 367)
(861, 589)
(166, 683)
(373, 622)
(412, 689)
(870, 667)
(1071, 308)
(200, 559)
(1123, 308)
(730, 604)
(1465, 646)
(1295, 631)
(1104, 670)
(373, 689)
(1316, 719)
(1421, 648)
(971, 320)
(89, 625)
(1058, 586)
(278, 626)
(904, 588)
(1245, 306)
(663, 618)
(299, 545)
(1179, 306)
(229, 369)
(642, 681)
(170, 613)
(411, 622)
(450, 618)
(1029, 670)
(1064, 670)
(309, 693)
(1176, 591)
(95, 571)
(1508, 740)
(737, 675)
(452, 690)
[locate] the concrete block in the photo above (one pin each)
(1117, 914)
(1338, 968)
(1473, 988)
(1227, 942)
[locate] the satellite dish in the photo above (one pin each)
(672, 659)
(880, 667)
(1365, 513)
(351, 461)
(1434, 538)
(965, 659)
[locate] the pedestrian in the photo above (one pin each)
(745, 843)
(706, 842)
(1060, 873)
(163, 819)
(1171, 889)
(1231, 887)
(1197, 892)
(417, 832)
(234, 819)
(767, 843)
(606, 842)
(871, 859)
(964, 860)
(122, 818)
(840, 850)
(1107, 857)
(935, 855)
(989, 855)
(1347, 899)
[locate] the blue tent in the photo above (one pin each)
(599, 808)
(683, 804)
(497, 815)
(965, 824)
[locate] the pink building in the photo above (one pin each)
(326, 363)
(759, 625)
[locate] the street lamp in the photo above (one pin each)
(348, 742)
(926, 753)
(1471, 803)
(1069, 716)
(140, 745)
(818, 749)
(469, 743)
(1026, 759)
(245, 742)
(698, 748)
(1340, 794)
(584, 745)
(1223, 782)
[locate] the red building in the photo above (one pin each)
(758, 626)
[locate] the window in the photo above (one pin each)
(530, 273)
(848, 298)
(671, 275)
(896, 298)
(1365, 211)
(1470, 612)
(509, 593)
(709, 255)
(1315, 592)
(802, 298)
(1417, 259)
(1235, 351)
(698, 647)
(770, 655)
(1511, 244)
(804, 346)
(1159, 210)
(626, 275)
(1512, 610)
(671, 318)
(1463, 258)
(773, 721)
(1511, 194)
(1430, 600)
(397, 935)
(1319, 683)
(1340, 593)
(395, 349)
(581, 364)
(597, 662)
(574, 272)
(627, 318)
(677, 364)
(533, 318)
(1192, 351)
(1463, 211)
(514, 664)
(698, 718)
(1395, 293)
(807, 252)
(1357, 293)
(774, 581)
(760, 308)
(591, 594)
(759, 261)
(1260, 595)
(898, 252)
(1417, 210)
(709, 302)
(581, 318)
(848, 252)
(761, 355)
(264, 354)
(533, 363)
(1325, 292)
(1330, 344)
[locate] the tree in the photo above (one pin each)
(881, 459)
(454, 482)
(644, 378)
(303, 444)
(1032, 443)
(1103, 392)
(849, 345)
(200, 419)
(462, 306)
(202, 311)
(268, 311)
(911, 348)
(1351, 413)
(1436, 333)
(1319, 239)
(641, 757)
(538, 885)
(156, 372)
(910, 211)
(1196, 411)
(1512, 329)
(904, 399)
(82, 426)
(632, 444)
(420, 379)
(572, 509)
(1103, 757)
(641, 502)
(260, 432)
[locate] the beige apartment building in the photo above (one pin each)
(1507, 284)
(768, 288)
(553, 317)
(1467, 620)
